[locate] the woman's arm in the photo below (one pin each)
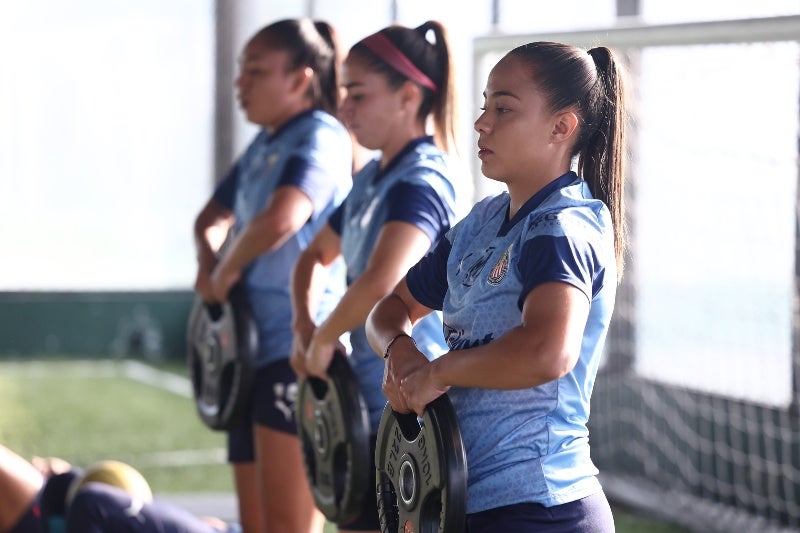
(307, 283)
(287, 210)
(399, 246)
(544, 347)
(210, 228)
(20, 482)
(388, 331)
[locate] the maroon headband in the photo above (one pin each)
(387, 51)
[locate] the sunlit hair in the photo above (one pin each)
(592, 84)
(311, 44)
(434, 60)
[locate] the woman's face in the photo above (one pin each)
(515, 125)
(264, 86)
(371, 108)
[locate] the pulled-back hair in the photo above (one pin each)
(591, 83)
(434, 60)
(312, 44)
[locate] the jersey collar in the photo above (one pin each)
(536, 200)
(288, 124)
(407, 149)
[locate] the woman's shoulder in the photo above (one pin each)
(572, 211)
(427, 162)
(426, 152)
(314, 124)
(326, 119)
(490, 204)
(575, 202)
(485, 209)
(319, 132)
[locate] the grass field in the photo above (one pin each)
(85, 411)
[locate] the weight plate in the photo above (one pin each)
(421, 469)
(222, 341)
(333, 427)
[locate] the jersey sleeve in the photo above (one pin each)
(310, 165)
(562, 258)
(336, 218)
(419, 205)
(225, 192)
(311, 178)
(427, 280)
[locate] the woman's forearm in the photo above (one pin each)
(387, 319)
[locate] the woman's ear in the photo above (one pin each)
(564, 126)
(410, 95)
(302, 80)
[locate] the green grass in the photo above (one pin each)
(83, 419)
(49, 408)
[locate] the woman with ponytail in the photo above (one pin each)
(526, 284)
(401, 203)
(275, 198)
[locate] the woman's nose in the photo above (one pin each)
(482, 123)
(239, 81)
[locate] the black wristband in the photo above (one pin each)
(399, 335)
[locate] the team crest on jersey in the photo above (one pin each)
(271, 160)
(473, 265)
(500, 269)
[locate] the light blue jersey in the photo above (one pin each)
(312, 152)
(528, 445)
(422, 169)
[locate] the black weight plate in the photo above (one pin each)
(333, 427)
(421, 469)
(222, 340)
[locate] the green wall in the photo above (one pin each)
(148, 324)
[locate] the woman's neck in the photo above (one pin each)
(522, 190)
(395, 145)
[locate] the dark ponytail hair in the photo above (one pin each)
(435, 61)
(311, 44)
(591, 83)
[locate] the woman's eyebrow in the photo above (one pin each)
(497, 94)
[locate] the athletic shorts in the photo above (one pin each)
(368, 519)
(30, 522)
(587, 515)
(272, 405)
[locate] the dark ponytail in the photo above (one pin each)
(434, 61)
(602, 157)
(444, 104)
(330, 71)
(592, 84)
(313, 45)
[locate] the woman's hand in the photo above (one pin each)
(202, 282)
(300, 342)
(319, 356)
(222, 280)
(420, 387)
(50, 466)
(204, 287)
(398, 365)
(409, 379)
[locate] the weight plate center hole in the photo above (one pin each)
(408, 482)
(320, 437)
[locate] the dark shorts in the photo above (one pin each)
(588, 515)
(272, 405)
(30, 522)
(368, 519)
